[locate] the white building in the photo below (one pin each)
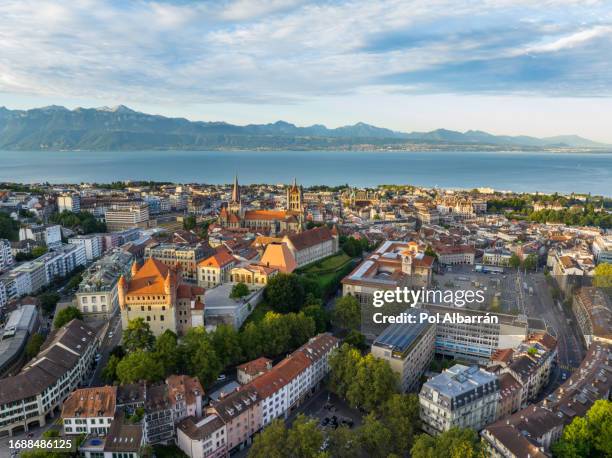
(203, 438)
(496, 257)
(462, 397)
(602, 248)
(89, 410)
(3, 295)
(41, 387)
(62, 261)
(311, 245)
(93, 243)
(50, 236)
(16, 284)
(36, 275)
(6, 255)
(124, 216)
(69, 202)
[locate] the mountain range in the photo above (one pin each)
(121, 128)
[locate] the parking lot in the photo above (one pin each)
(330, 411)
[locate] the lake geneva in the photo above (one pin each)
(517, 171)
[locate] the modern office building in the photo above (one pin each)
(409, 349)
(69, 202)
(121, 216)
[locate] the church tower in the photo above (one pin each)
(294, 198)
(235, 204)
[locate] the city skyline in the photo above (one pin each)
(408, 66)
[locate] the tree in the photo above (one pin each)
(109, 373)
(375, 438)
(454, 443)
(166, 350)
(9, 228)
(38, 251)
(239, 290)
(304, 439)
(48, 301)
(189, 222)
(364, 381)
(33, 345)
(347, 313)
(138, 336)
(429, 251)
(342, 443)
(530, 262)
(515, 261)
(602, 275)
(140, 365)
(226, 342)
(66, 315)
(271, 442)
(319, 315)
(285, 293)
(199, 355)
(356, 339)
(589, 436)
(401, 417)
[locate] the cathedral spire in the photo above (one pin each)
(236, 190)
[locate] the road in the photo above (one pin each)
(108, 343)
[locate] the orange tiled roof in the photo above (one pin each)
(219, 259)
(91, 402)
(150, 278)
(279, 255)
(265, 215)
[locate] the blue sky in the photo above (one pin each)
(509, 67)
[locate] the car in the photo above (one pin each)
(110, 335)
(98, 357)
(221, 378)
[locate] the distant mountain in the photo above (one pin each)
(121, 128)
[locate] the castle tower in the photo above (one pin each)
(121, 289)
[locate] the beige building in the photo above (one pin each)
(253, 274)
(157, 294)
(215, 269)
(311, 245)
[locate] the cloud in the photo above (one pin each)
(289, 51)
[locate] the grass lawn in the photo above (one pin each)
(328, 264)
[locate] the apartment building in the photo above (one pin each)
(409, 349)
(157, 294)
(158, 422)
(184, 256)
(121, 216)
(15, 283)
(65, 361)
(240, 411)
(69, 202)
(46, 235)
(98, 296)
(6, 255)
(252, 369)
(602, 248)
(462, 396)
(93, 244)
(89, 411)
(35, 273)
(60, 262)
(185, 394)
(203, 438)
(496, 257)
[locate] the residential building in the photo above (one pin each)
(89, 410)
(202, 438)
(409, 349)
(158, 423)
(510, 395)
(185, 394)
(16, 283)
(184, 256)
(240, 411)
(6, 255)
(251, 369)
(496, 257)
(93, 244)
(50, 235)
(69, 203)
(602, 248)
(123, 440)
(157, 294)
(98, 296)
(36, 274)
(60, 262)
(65, 361)
(462, 397)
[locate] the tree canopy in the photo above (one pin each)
(66, 315)
(138, 336)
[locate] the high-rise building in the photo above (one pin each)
(124, 216)
(69, 202)
(6, 255)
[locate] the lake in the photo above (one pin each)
(517, 171)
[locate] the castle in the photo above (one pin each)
(235, 216)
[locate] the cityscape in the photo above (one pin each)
(305, 229)
(156, 319)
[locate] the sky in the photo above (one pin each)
(511, 67)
